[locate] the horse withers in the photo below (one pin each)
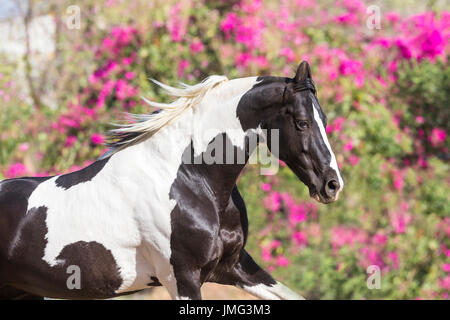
(151, 211)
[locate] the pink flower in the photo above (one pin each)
(260, 61)
(353, 160)
(243, 59)
(437, 136)
(446, 267)
(445, 283)
(282, 261)
(349, 66)
(275, 244)
(314, 230)
(65, 121)
(107, 43)
(127, 61)
(300, 238)
(229, 23)
(347, 19)
(405, 51)
(420, 119)
(288, 53)
(392, 68)
(348, 146)
(336, 125)
(93, 79)
(196, 46)
(123, 35)
(342, 236)
(182, 66)
(15, 170)
(97, 138)
(297, 214)
(23, 147)
(392, 17)
(70, 141)
(359, 80)
(380, 238)
(266, 187)
(266, 254)
(306, 3)
(251, 6)
(249, 32)
(447, 253)
(393, 257)
(399, 221)
(422, 162)
(129, 75)
(176, 25)
(371, 256)
(273, 201)
(433, 44)
(398, 179)
(124, 90)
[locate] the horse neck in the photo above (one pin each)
(214, 120)
(163, 154)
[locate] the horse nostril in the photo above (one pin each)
(332, 187)
(333, 184)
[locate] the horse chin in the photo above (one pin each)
(318, 197)
(313, 194)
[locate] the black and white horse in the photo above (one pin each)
(141, 216)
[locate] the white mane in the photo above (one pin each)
(146, 125)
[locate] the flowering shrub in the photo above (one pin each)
(385, 93)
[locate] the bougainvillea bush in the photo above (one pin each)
(385, 90)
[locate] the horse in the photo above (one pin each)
(142, 215)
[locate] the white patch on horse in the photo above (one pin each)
(333, 162)
(261, 291)
(126, 207)
(275, 292)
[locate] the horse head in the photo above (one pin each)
(291, 106)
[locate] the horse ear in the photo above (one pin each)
(303, 72)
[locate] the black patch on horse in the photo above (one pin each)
(14, 194)
(86, 174)
(99, 271)
(209, 223)
(206, 226)
(255, 105)
(22, 247)
(155, 282)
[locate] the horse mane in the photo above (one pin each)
(143, 126)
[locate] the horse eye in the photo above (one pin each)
(301, 124)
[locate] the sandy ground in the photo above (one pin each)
(210, 291)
